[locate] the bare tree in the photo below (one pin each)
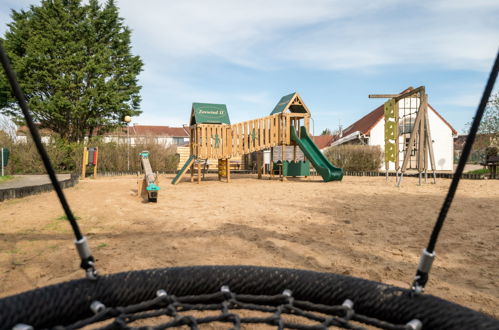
(8, 127)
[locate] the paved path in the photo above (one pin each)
(30, 180)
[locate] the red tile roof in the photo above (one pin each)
(323, 141)
(145, 130)
(366, 123)
(137, 130)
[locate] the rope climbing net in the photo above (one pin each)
(281, 311)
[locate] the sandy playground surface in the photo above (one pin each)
(362, 226)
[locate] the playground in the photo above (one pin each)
(362, 227)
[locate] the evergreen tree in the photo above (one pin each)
(75, 65)
(326, 131)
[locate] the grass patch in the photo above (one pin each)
(6, 178)
(480, 171)
(64, 217)
(101, 245)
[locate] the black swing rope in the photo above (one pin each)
(428, 255)
(146, 294)
(87, 260)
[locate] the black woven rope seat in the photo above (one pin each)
(125, 297)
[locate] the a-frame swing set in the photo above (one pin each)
(407, 135)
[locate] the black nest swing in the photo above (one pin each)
(236, 296)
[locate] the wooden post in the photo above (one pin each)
(96, 157)
(192, 171)
(259, 163)
(271, 162)
(199, 172)
(228, 169)
(421, 146)
(84, 163)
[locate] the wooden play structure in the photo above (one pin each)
(148, 186)
(213, 137)
(407, 133)
(90, 158)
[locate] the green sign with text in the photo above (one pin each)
(208, 113)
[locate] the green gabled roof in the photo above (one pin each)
(208, 113)
(291, 102)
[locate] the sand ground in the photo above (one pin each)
(361, 226)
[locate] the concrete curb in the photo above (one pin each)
(11, 193)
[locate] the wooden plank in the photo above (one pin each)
(96, 158)
(245, 139)
(421, 145)
(253, 136)
(261, 135)
(306, 122)
(208, 142)
(275, 130)
(382, 96)
(192, 172)
(217, 142)
(265, 132)
(288, 130)
(202, 142)
(241, 138)
(83, 163)
(199, 172)
(229, 144)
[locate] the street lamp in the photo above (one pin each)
(127, 120)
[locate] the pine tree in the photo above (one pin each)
(75, 65)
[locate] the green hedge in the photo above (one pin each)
(355, 157)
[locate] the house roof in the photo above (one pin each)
(135, 130)
(24, 130)
(366, 123)
(291, 102)
(146, 130)
(323, 141)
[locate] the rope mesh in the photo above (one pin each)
(280, 311)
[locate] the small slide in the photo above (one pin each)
(327, 170)
(184, 169)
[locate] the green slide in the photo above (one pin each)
(327, 170)
(184, 169)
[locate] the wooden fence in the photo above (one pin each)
(227, 141)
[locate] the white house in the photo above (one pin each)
(370, 130)
(136, 134)
(165, 135)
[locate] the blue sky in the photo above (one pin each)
(247, 54)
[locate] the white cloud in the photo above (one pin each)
(268, 35)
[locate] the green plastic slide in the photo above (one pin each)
(327, 170)
(184, 168)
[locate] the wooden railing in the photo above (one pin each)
(224, 141)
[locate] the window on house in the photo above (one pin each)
(178, 140)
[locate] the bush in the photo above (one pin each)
(355, 157)
(491, 151)
(113, 157)
(66, 157)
